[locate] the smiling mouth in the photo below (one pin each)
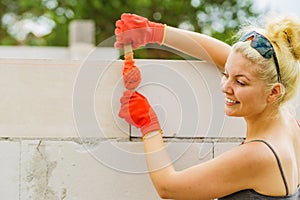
(230, 101)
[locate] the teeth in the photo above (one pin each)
(231, 101)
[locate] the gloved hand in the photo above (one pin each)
(138, 31)
(135, 109)
(131, 74)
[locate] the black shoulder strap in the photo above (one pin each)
(278, 162)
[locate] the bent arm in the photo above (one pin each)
(221, 176)
(198, 45)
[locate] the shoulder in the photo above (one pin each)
(247, 163)
(248, 154)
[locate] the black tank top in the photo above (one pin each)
(252, 195)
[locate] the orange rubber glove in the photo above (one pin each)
(138, 31)
(136, 110)
(131, 74)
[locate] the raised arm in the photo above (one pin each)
(198, 45)
(139, 31)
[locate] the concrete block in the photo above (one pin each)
(59, 54)
(77, 35)
(34, 52)
(37, 98)
(48, 99)
(67, 170)
(81, 42)
(10, 169)
(186, 96)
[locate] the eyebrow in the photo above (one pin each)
(238, 75)
(242, 75)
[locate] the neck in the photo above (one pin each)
(263, 124)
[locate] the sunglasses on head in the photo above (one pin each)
(263, 46)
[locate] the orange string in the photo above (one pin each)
(131, 74)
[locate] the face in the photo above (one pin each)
(245, 93)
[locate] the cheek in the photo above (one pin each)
(252, 98)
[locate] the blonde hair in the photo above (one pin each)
(284, 34)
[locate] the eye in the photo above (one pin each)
(241, 83)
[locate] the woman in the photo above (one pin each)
(261, 73)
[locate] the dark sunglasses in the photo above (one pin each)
(263, 46)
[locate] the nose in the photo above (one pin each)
(226, 86)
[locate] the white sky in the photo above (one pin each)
(281, 6)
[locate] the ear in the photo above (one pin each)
(275, 93)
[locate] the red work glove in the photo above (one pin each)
(131, 74)
(135, 109)
(137, 31)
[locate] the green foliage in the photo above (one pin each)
(218, 18)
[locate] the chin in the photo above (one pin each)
(232, 114)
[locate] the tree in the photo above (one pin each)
(218, 18)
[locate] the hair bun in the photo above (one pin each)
(285, 32)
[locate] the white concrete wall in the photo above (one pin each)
(61, 138)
